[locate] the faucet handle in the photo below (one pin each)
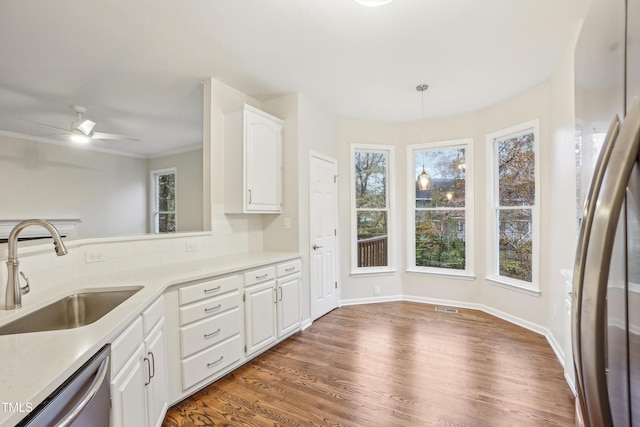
(26, 288)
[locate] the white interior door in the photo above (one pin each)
(323, 213)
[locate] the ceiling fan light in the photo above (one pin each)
(373, 3)
(80, 138)
(86, 127)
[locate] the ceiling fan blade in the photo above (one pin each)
(66, 131)
(100, 135)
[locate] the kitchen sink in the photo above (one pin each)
(70, 312)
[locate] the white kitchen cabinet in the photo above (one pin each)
(253, 162)
(210, 325)
(288, 306)
(156, 386)
(260, 316)
(139, 384)
(128, 399)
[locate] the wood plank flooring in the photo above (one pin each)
(392, 364)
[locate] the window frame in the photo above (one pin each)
(390, 200)
(155, 209)
(493, 247)
(467, 145)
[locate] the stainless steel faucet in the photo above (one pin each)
(13, 295)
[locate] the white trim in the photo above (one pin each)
(65, 226)
(373, 271)
(390, 192)
(467, 145)
(513, 285)
(442, 273)
(493, 277)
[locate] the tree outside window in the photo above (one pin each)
(514, 204)
(440, 212)
(164, 197)
(371, 206)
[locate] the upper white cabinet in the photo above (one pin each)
(253, 162)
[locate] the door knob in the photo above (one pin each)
(316, 247)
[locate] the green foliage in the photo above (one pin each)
(440, 239)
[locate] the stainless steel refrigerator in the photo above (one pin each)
(606, 279)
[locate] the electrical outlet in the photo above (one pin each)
(376, 290)
(287, 222)
(192, 247)
(94, 256)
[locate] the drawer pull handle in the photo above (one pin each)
(264, 276)
(211, 334)
(216, 289)
(289, 269)
(215, 363)
(209, 310)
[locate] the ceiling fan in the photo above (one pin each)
(82, 129)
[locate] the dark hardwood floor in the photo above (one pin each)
(392, 364)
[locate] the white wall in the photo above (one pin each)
(189, 209)
(526, 309)
(107, 192)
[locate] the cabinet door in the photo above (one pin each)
(128, 392)
(260, 316)
(288, 305)
(157, 386)
(262, 163)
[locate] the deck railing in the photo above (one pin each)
(372, 251)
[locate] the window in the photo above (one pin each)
(440, 214)
(371, 214)
(163, 184)
(514, 218)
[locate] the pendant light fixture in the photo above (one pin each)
(424, 179)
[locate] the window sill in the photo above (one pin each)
(448, 275)
(374, 272)
(513, 286)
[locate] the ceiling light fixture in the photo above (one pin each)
(424, 179)
(373, 3)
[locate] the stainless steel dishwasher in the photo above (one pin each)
(83, 399)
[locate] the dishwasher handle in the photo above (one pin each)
(88, 396)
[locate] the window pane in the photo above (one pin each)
(166, 192)
(166, 223)
(371, 180)
(372, 238)
(516, 171)
(446, 169)
(514, 227)
(440, 239)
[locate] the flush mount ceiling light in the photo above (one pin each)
(424, 179)
(373, 3)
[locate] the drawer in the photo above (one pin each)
(209, 307)
(152, 315)
(189, 294)
(289, 268)
(125, 344)
(262, 275)
(208, 332)
(203, 365)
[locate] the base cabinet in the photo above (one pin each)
(260, 317)
(288, 306)
(139, 389)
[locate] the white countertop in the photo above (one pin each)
(33, 365)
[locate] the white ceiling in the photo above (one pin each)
(136, 65)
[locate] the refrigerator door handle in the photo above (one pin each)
(592, 315)
(581, 252)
